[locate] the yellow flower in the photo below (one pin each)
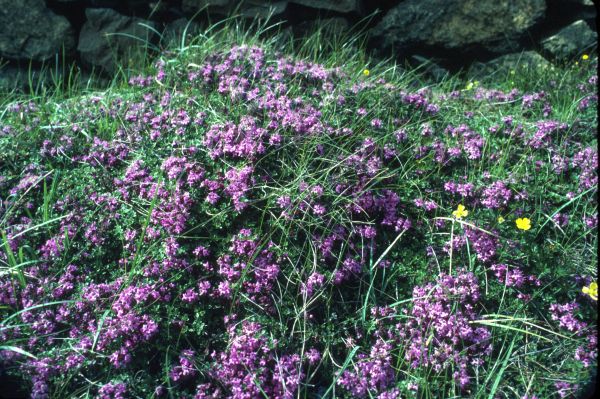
(500, 219)
(592, 290)
(469, 86)
(585, 57)
(460, 211)
(523, 223)
(366, 72)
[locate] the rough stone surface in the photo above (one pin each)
(192, 6)
(248, 9)
(496, 25)
(589, 3)
(264, 10)
(30, 31)
(434, 34)
(333, 5)
(570, 41)
(107, 36)
(174, 31)
(504, 64)
(252, 8)
(12, 78)
(335, 26)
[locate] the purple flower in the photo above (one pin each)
(314, 282)
(564, 314)
(113, 391)
(440, 328)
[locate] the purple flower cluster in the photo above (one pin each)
(513, 277)
(465, 190)
(564, 314)
(245, 140)
(113, 391)
(586, 161)
(251, 368)
(543, 135)
(104, 153)
(267, 191)
(239, 183)
(185, 369)
(371, 374)
(496, 195)
(484, 244)
(468, 141)
(440, 333)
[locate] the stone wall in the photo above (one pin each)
(452, 33)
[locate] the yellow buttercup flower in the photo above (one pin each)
(523, 223)
(366, 72)
(460, 211)
(585, 57)
(501, 219)
(591, 290)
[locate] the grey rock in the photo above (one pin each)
(501, 66)
(12, 78)
(588, 3)
(335, 26)
(570, 41)
(193, 6)
(458, 24)
(264, 10)
(30, 31)
(248, 9)
(333, 5)
(108, 37)
(175, 30)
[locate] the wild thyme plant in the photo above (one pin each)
(255, 217)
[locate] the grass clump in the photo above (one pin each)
(256, 217)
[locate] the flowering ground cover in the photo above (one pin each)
(259, 218)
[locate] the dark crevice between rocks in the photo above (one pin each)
(297, 13)
(377, 9)
(559, 14)
(163, 11)
(74, 12)
(452, 60)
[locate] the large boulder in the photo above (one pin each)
(495, 25)
(501, 66)
(570, 41)
(335, 26)
(174, 31)
(248, 9)
(108, 37)
(333, 5)
(30, 31)
(264, 8)
(193, 6)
